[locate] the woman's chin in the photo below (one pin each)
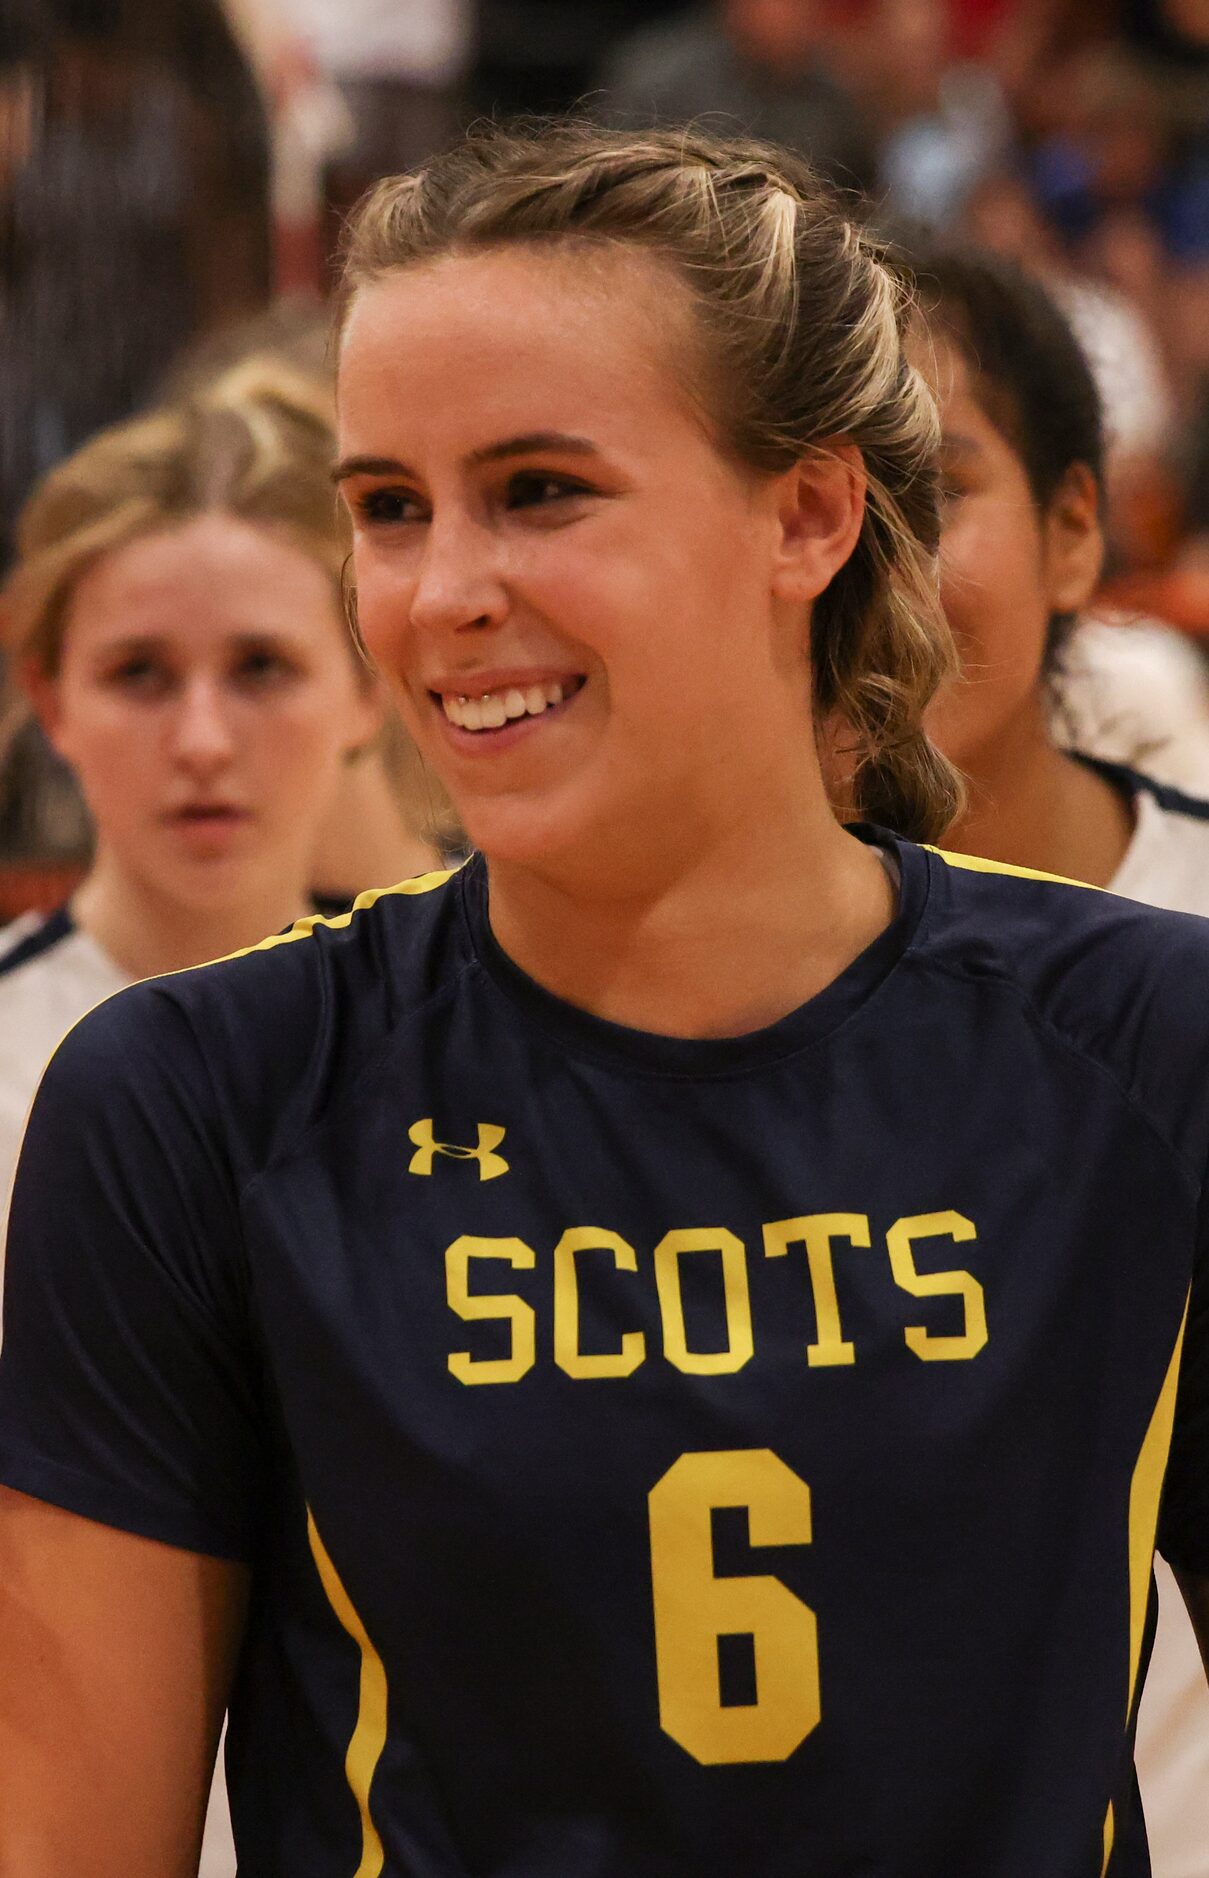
(524, 831)
(215, 884)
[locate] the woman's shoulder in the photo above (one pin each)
(250, 1048)
(1048, 932)
(50, 975)
(1111, 979)
(376, 942)
(1167, 862)
(54, 944)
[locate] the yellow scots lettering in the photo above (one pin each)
(567, 1353)
(740, 1342)
(507, 1308)
(816, 1231)
(900, 1241)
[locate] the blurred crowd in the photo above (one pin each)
(170, 168)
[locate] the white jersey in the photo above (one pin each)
(51, 973)
(1167, 864)
(1137, 693)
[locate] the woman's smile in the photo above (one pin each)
(484, 710)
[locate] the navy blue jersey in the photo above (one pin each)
(657, 1458)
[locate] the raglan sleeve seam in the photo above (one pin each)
(1192, 1178)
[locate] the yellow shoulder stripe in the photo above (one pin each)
(303, 928)
(975, 864)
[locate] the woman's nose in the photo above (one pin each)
(459, 584)
(202, 732)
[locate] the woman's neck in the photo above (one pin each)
(717, 945)
(145, 932)
(1032, 805)
(365, 840)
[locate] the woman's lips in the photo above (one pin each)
(208, 824)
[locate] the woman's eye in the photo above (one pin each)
(387, 506)
(145, 676)
(257, 669)
(531, 489)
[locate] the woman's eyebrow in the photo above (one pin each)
(368, 466)
(529, 443)
(149, 641)
(254, 638)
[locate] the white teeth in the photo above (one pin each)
(491, 710)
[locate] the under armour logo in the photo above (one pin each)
(490, 1136)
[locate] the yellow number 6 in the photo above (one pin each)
(694, 1608)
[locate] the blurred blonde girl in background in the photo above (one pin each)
(175, 620)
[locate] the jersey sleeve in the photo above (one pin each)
(130, 1390)
(1183, 1536)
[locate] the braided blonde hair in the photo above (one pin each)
(804, 315)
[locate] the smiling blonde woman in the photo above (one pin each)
(656, 1353)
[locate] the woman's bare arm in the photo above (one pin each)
(116, 1655)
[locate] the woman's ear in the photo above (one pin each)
(1073, 541)
(820, 511)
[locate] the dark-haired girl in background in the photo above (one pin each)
(1021, 555)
